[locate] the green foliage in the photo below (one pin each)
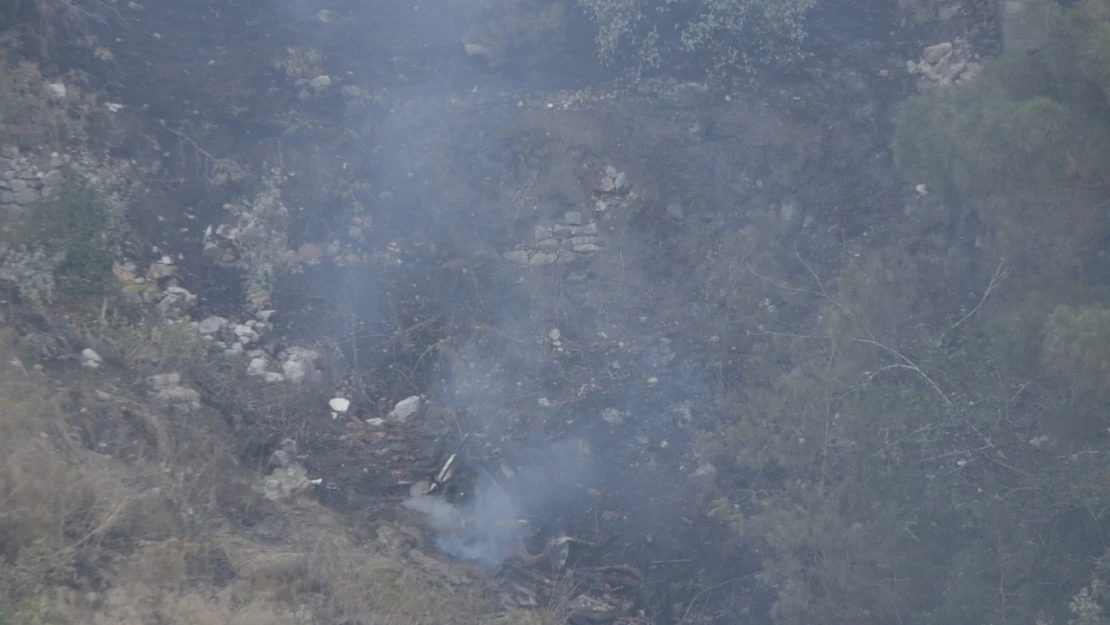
(737, 34)
(908, 449)
(1025, 120)
(1077, 348)
(69, 239)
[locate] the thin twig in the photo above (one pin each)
(909, 364)
(1000, 274)
(814, 274)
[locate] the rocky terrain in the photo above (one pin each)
(355, 254)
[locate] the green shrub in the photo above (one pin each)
(68, 240)
(1026, 120)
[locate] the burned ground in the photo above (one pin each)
(416, 177)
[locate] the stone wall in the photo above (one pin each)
(1018, 35)
(23, 179)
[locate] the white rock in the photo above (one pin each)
(297, 370)
(705, 474)
(339, 404)
(921, 189)
(320, 82)
(934, 54)
(257, 366)
(164, 380)
(178, 397)
(273, 377)
(405, 409)
(554, 334)
(56, 90)
(284, 483)
(211, 325)
(376, 422)
(612, 416)
(90, 355)
(246, 334)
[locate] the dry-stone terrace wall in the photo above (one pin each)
(24, 178)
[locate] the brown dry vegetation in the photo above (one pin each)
(112, 512)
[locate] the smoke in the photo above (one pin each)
(483, 533)
(487, 531)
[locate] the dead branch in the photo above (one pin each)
(905, 364)
(1000, 275)
(217, 170)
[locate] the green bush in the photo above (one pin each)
(1026, 120)
(68, 241)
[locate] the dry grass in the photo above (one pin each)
(97, 530)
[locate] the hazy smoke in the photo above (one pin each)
(486, 531)
(483, 533)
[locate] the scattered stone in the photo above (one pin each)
(704, 475)
(945, 63)
(285, 482)
(169, 393)
(612, 181)
(272, 377)
(573, 218)
(161, 269)
(554, 334)
(375, 422)
(164, 380)
(320, 82)
(420, 488)
(299, 364)
(339, 404)
(91, 359)
(675, 211)
(175, 301)
(246, 334)
(405, 409)
(935, 54)
(211, 325)
(9, 151)
(612, 416)
(586, 248)
(56, 90)
(257, 366)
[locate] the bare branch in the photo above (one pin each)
(814, 274)
(908, 364)
(1000, 275)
